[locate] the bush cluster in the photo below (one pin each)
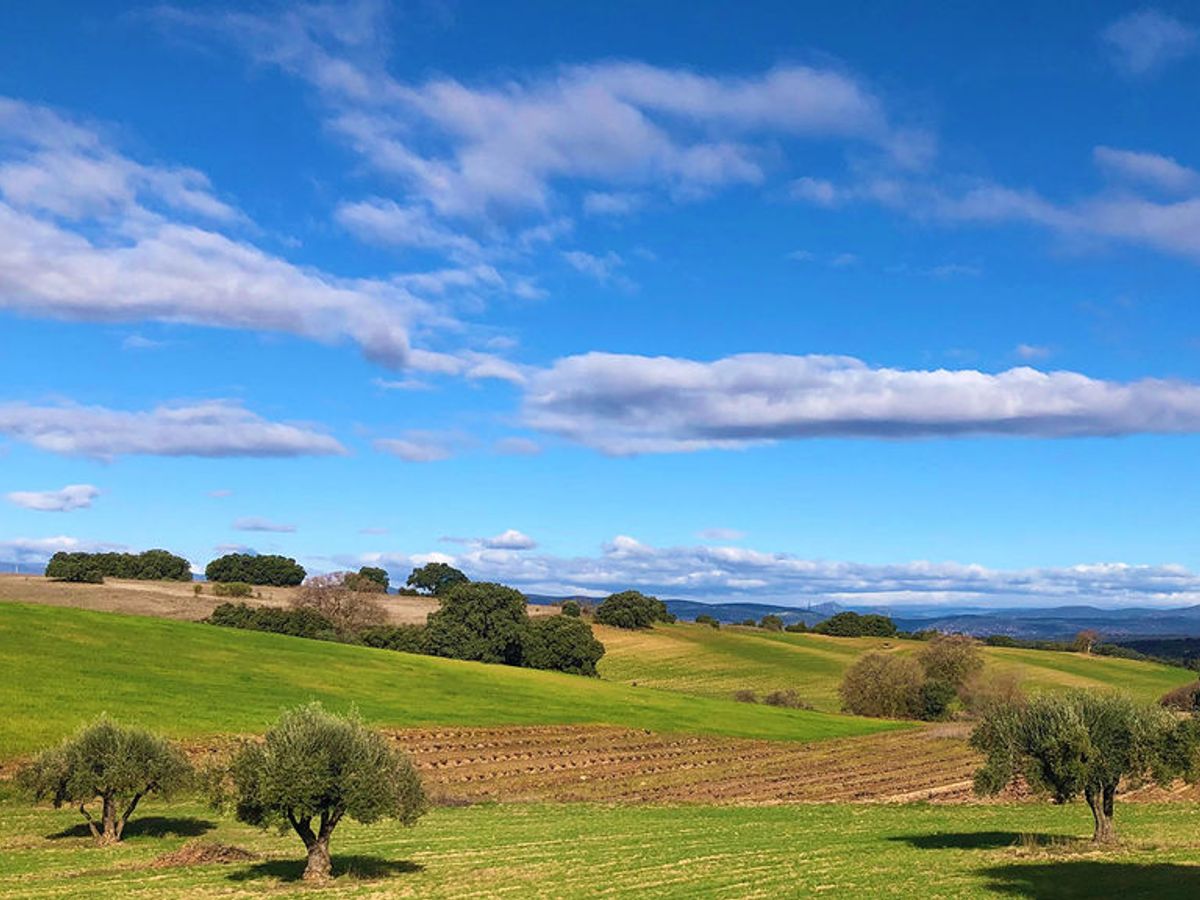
(306, 623)
(851, 624)
(632, 609)
(232, 589)
(152, 565)
(885, 685)
(278, 571)
(710, 621)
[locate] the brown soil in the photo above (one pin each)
(199, 853)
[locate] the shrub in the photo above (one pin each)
(306, 623)
(706, 619)
(1183, 699)
(745, 696)
(632, 609)
(105, 761)
(747, 623)
(571, 608)
(985, 689)
(197, 589)
(377, 575)
(772, 622)
(232, 589)
(936, 697)
(435, 578)
(403, 638)
(883, 685)
(561, 643)
(317, 766)
(151, 565)
(278, 571)
(479, 620)
(350, 611)
(951, 659)
(851, 624)
(1083, 742)
(796, 628)
(788, 699)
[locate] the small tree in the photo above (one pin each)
(479, 620)
(313, 770)
(706, 619)
(105, 761)
(884, 685)
(350, 611)
(950, 659)
(632, 609)
(1086, 640)
(562, 643)
(1082, 743)
(771, 622)
(571, 608)
(376, 574)
(435, 578)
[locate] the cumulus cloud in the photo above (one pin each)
(73, 496)
(1146, 40)
(730, 573)
(511, 539)
(256, 523)
(624, 404)
(212, 428)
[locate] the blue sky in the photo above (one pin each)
(885, 303)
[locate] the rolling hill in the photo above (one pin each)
(709, 662)
(60, 666)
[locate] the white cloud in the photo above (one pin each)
(220, 493)
(624, 404)
(419, 446)
(602, 268)
(1146, 40)
(1152, 169)
(518, 446)
(383, 221)
(611, 203)
(33, 551)
(732, 573)
(256, 523)
(211, 428)
(1032, 351)
(138, 342)
(510, 539)
(721, 534)
(73, 496)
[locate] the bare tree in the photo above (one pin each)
(350, 611)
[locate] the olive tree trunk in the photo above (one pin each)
(320, 865)
(1101, 804)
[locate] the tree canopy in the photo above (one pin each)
(151, 565)
(478, 620)
(851, 624)
(632, 609)
(107, 762)
(314, 769)
(435, 578)
(563, 643)
(278, 571)
(1082, 743)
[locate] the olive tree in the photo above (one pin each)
(1082, 743)
(107, 762)
(315, 768)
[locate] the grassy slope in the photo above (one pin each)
(60, 666)
(584, 851)
(700, 660)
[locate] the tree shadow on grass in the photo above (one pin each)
(147, 826)
(358, 868)
(1074, 879)
(982, 840)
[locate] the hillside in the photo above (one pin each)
(709, 662)
(61, 666)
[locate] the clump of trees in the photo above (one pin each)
(435, 578)
(562, 643)
(268, 569)
(315, 769)
(771, 622)
(706, 619)
(901, 687)
(1085, 744)
(105, 761)
(93, 568)
(632, 609)
(851, 624)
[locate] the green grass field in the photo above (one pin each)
(1024, 850)
(61, 666)
(700, 660)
